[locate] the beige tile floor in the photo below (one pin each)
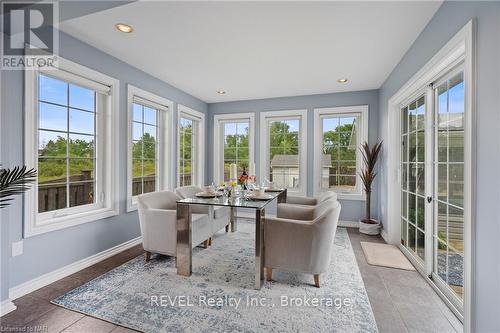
(401, 300)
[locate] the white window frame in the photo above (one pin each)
(267, 116)
(164, 108)
(219, 121)
(460, 48)
(106, 151)
(362, 135)
(199, 172)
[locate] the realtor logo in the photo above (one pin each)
(30, 36)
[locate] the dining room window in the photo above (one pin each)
(233, 143)
(283, 154)
(190, 169)
(337, 159)
(149, 142)
(69, 125)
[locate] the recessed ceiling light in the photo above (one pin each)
(124, 28)
(342, 80)
(221, 92)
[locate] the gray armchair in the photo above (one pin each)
(308, 201)
(158, 222)
(219, 218)
(300, 239)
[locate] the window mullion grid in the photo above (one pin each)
(142, 149)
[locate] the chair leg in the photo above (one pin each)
(316, 280)
(205, 243)
(210, 241)
(148, 256)
(269, 273)
(227, 228)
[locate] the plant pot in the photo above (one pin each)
(369, 228)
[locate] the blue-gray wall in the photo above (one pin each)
(352, 210)
(448, 20)
(47, 252)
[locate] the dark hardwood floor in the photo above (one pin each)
(401, 300)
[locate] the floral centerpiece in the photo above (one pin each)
(243, 179)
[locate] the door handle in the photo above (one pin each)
(429, 199)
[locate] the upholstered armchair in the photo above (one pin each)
(219, 218)
(308, 201)
(300, 239)
(158, 221)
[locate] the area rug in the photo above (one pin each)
(219, 296)
(385, 255)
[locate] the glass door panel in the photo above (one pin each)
(449, 184)
(413, 177)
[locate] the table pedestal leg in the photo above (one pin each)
(184, 240)
(259, 247)
(234, 226)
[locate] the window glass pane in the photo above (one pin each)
(236, 145)
(411, 236)
(420, 244)
(81, 146)
(404, 120)
(149, 115)
(442, 190)
(421, 179)
(52, 144)
(456, 146)
(81, 193)
(339, 167)
(51, 196)
(52, 90)
(81, 98)
(421, 213)
(81, 121)
(149, 167)
(229, 129)
(421, 113)
(149, 148)
(412, 211)
(72, 166)
(149, 132)
(81, 169)
(51, 170)
(137, 112)
(412, 114)
(456, 184)
(137, 131)
(284, 153)
(53, 117)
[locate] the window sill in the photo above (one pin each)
(68, 221)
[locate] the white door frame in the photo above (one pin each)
(459, 48)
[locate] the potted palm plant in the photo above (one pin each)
(367, 225)
(14, 181)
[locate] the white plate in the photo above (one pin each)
(260, 196)
(274, 189)
(207, 195)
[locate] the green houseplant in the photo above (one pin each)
(14, 181)
(368, 225)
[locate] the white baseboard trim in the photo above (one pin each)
(48, 278)
(349, 224)
(6, 306)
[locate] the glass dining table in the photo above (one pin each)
(184, 227)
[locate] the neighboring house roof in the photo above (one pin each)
(293, 161)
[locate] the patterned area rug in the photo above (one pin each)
(219, 296)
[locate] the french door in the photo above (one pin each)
(432, 182)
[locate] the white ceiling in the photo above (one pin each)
(259, 49)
